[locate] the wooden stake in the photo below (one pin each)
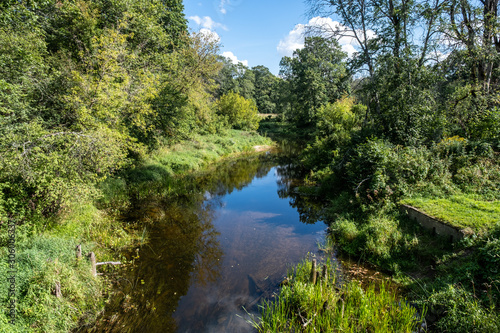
(324, 273)
(57, 290)
(93, 263)
(313, 272)
(78, 251)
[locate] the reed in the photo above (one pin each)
(329, 306)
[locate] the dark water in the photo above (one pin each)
(214, 252)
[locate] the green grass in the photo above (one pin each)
(41, 262)
(155, 176)
(325, 307)
(461, 211)
(202, 150)
(45, 253)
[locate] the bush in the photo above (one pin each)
(339, 118)
(241, 113)
(482, 177)
(366, 169)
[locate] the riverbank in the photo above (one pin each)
(361, 183)
(44, 249)
(313, 299)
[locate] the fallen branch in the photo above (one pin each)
(108, 263)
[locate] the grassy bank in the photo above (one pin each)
(460, 211)
(45, 247)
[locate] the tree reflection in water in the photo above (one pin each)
(183, 248)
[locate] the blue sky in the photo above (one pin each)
(261, 32)
(251, 29)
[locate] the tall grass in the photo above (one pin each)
(328, 306)
(40, 263)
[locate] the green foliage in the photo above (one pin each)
(408, 112)
(316, 75)
(345, 233)
(489, 255)
(376, 237)
(89, 84)
(236, 78)
(339, 118)
(266, 93)
(173, 21)
(463, 312)
(240, 113)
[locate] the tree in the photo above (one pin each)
(173, 21)
(265, 84)
(397, 85)
(87, 85)
(473, 67)
(317, 75)
(237, 78)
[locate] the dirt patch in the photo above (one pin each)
(261, 148)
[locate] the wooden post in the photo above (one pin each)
(78, 251)
(318, 278)
(57, 290)
(313, 272)
(324, 273)
(93, 263)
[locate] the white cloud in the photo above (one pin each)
(207, 22)
(222, 6)
(438, 56)
(227, 5)
(211, 35)
(294, 40)
(323, 26)
(233, 58)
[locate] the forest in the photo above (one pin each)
(91, 89)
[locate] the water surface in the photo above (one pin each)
(215, 252)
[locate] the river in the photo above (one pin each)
(215, 251)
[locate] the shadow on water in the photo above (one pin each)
(214, 252)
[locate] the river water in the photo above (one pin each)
(215, 251)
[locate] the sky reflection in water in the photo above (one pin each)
(223, 243)
(261, 236)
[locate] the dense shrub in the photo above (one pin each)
(239, 112)
(339, 118)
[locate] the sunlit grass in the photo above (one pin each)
(329, 307)
(460, 210)
(202, 150)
